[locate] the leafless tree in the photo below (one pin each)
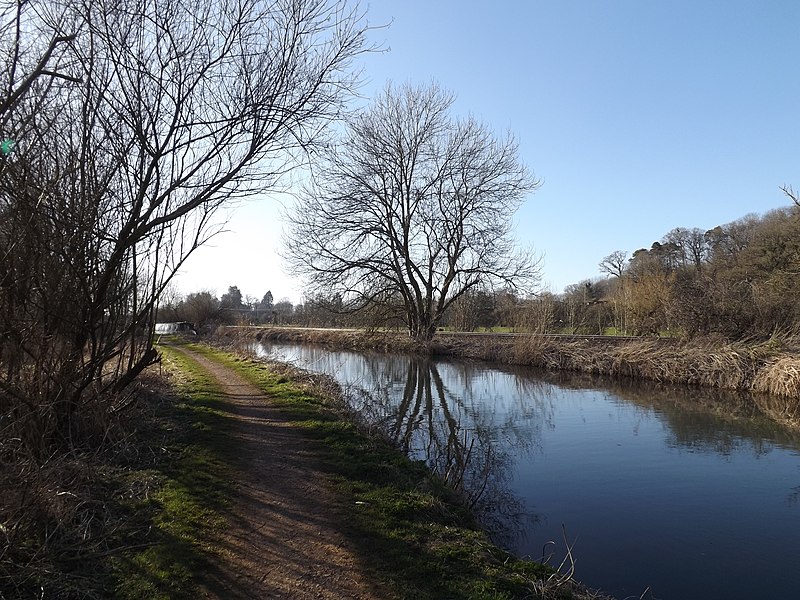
(615, 263)
(691, 244)
(199, 308)
(791, 194)
(413, 204)
(133, 122)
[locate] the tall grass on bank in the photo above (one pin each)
(125, 519)
(778, 384)
(768, 368)
(725, 367)
(780, 377)
(766, 371)
(710, 362)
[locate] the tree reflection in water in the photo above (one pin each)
(620, 462)
(467, 423)
(443, 413)
(459, 443)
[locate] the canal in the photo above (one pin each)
(646, 491)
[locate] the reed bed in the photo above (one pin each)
(768, 368)
(778, 388)
(726, 366)
(779, 377)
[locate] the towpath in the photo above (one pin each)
(282, 539)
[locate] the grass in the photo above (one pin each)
(191, 500)
(130, 519)
(414, 533)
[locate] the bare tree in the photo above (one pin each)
(615, 263)
(691, 244)
(791, 194)
(697, 247)
(199, 308)
(413, 204)
(134, 121)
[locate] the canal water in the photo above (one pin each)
(645, 491)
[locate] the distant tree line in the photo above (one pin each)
(739, 280)
(206, 311)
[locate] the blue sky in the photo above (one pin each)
(638, 117)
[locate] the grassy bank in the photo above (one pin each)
(128, 519)
(189, 505)
(414, 533)
(770, 369)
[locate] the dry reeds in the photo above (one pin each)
(724, 366)
(778, 385)
(714, 363)
(779, 377)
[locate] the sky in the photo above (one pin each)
(637, 116)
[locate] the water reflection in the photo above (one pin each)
(468, 424)
(652, 480)
(698, 419)
(719, 421)
(451, 419)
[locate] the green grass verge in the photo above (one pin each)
(191, 498)
(413, 532)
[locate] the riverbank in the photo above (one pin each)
(770, 371)
(236, 478)
(409, 534)
(128, 517)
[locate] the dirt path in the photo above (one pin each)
(283, 540)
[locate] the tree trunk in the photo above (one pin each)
(422, 328)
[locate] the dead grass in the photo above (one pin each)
(780, 377)
(707, 363)
(778, 388)
(771, 367)
(62, 519)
